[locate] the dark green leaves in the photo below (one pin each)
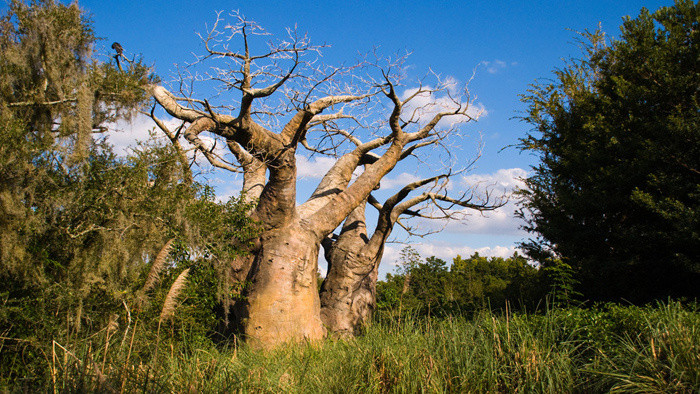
(618, 134)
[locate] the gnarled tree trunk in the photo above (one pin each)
(282, 303)
(347, 293)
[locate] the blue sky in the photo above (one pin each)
(510, 44)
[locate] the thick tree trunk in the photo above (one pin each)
(365, 300)
(282, 303)
(348, 292)
(348, 296)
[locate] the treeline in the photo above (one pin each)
(432, 287)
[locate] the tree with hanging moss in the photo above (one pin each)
(80, 227)
(54, 96)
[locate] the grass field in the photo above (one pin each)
(606, 349)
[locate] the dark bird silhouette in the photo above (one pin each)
(120, 53)
(118, 48)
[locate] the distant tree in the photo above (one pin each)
(617, 193)
(428, 281)
(491, 281)
(467, 285)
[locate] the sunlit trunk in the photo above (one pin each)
(282, 303)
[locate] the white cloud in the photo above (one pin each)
(424, 106)
(233, 188)
(314, 168)
(445, 251)
(400, 180)
(125, 135)
(501, 221)
(492, 67)
(503, 180)
(220, 148)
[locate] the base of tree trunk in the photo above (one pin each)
(282, 302)
(348, 301)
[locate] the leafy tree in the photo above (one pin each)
(53, 97)
(429, 287)
(558, 278)
(617, 193)
(491, 281)
(78, 224)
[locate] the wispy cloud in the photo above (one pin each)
(501, 221)
(232, 188)
(495, 66)
(503, 180)
(313, 168)
(400, 180)
(445, 251)
(125, 135)
(424, 106)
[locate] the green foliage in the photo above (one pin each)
(79, 226)
(611, 348)
(494, 281)
(429, 287)
(561, 281)
(52, 84)
(617, 193)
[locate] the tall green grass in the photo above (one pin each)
(611, 348)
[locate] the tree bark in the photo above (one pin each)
(282, 304)
(347, 292)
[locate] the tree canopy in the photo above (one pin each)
(617, 192)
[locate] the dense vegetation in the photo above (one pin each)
(610, 348)
(114, 269)
(81, 228)
(428, 287)
(617, 192)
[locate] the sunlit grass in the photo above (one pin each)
(612, 348)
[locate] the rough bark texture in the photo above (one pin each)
(347, 293)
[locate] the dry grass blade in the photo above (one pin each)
(158, 264)
(171, 299)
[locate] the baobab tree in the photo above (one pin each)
(348, 293)
(282, 303)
